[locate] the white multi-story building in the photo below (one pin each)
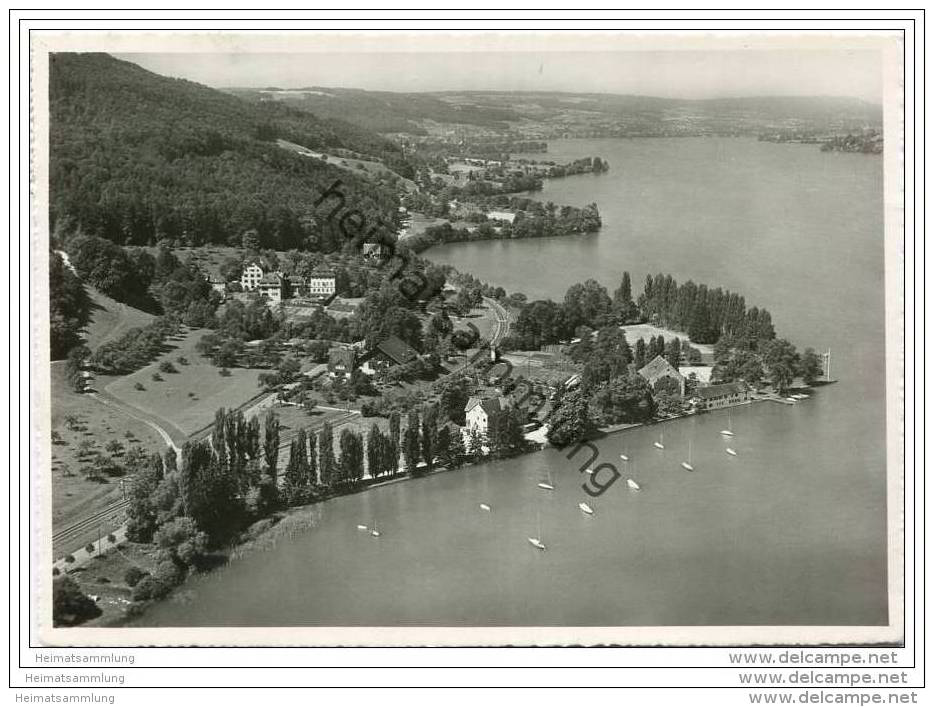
(251, 276)
(479, 412)
(322, 284)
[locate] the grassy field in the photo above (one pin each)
(74, 496)
(482, 317)
(111, 319)
(634, 332)
(293, 418)
(418, 223)
(189, 398)
(104, 578)
(354, 164)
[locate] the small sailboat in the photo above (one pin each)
(537, 541)
(728, 432)
(486, 507)
(586, 508)
(687, 466)
(547, 485)
(624, 457)
(375, 533)
(633, 486)
(361, 527)
(660, 444)
(731, 451)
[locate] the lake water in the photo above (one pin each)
(792, 531)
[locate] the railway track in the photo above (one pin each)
(75, 535)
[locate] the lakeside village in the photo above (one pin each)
(291, 363)
(361, 384)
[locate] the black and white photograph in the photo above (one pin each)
(469, 339)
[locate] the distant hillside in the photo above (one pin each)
(552, 114)
(137, 157)
(382, 111)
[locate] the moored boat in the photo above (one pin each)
(586, 508)
(546, 484)
(687, 466)
(728, 432)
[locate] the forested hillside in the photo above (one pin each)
(137, 158)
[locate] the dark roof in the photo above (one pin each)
(322, 273)
(341, 357)
(715, 391)
(271, 279)
(491, 406)
(395, 348)
(657, 368)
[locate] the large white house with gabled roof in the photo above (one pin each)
(480, 411)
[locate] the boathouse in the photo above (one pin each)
(720, 396)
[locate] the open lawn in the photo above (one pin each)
(634, 332)
(292, 418)
(418, 223)
(354, 164)
(189, 398)
(208, 257)
(104, 577)
(111, 319)
(482, 317)
(92, 423)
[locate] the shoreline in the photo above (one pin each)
(295, 519)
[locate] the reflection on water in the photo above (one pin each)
(790, 531)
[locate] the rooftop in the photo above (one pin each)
(395, 348)
(491, 406)
(657, 368)
(341, 357)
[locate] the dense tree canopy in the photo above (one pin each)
(136, 157)
(704, 313)
(69, 307)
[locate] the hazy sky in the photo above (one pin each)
(676, 74)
